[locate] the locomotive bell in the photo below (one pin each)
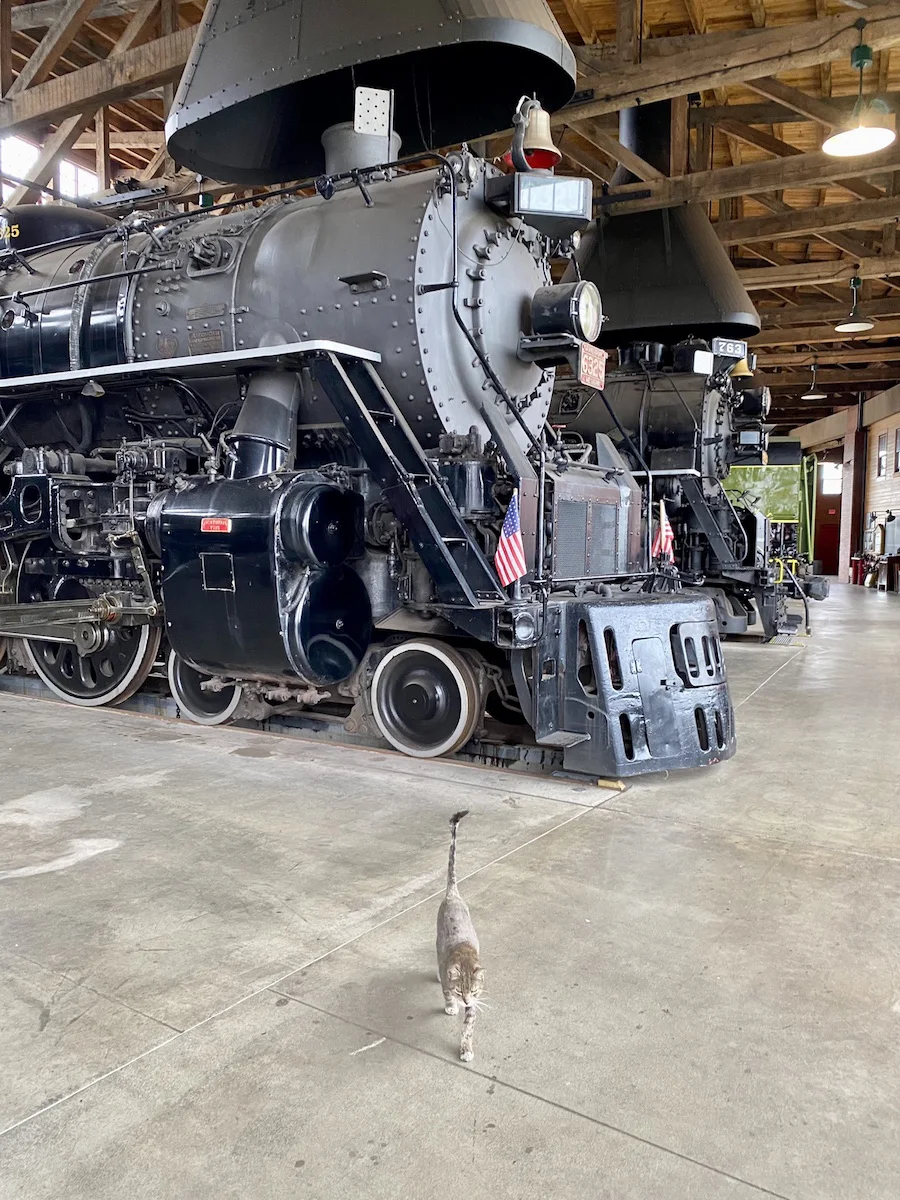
(264, 80)
(538, 145)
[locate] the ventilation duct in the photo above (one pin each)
(664, 276)
(265, 79)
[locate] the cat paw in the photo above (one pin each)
(467, 1055)
(451, 1010)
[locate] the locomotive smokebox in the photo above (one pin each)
(664, 276)
(264, 80)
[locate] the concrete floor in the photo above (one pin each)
(217, 978)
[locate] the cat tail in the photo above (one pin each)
(451, 865)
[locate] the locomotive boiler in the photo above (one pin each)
(281, 441)
(679, 401)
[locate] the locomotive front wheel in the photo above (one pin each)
(425, 699)
(197, 704)
(110, 675)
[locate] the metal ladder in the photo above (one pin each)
(411, 483)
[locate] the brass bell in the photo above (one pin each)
(538, 145)
(741, 370)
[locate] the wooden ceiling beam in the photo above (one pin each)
(768, 113)
(804, 170)
(758, 13)
(736, 58)
(128, 139)
(44, 13)
(60, 143)
(830, 379)
(54, 44)
(811, 314)
(808, 274)
(781, 149)
(821, 111)
(815, 334)
(827, 358)
(798, 222)
(159, 61)
(628, 30)
(604, 141)
(580, 18)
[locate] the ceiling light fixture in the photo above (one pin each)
(870, 127)
(812, 393)
(854, 322)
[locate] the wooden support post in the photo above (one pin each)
(6, 75)
(101, 129)
(679, 137)
(628, 31)
(168, 23)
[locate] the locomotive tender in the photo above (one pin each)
(284, 438)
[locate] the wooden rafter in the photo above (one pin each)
(606, 142)
(750, 55)
(804, 170)
(812, 314)
(799, 222)
(628, 30)
(59, 144)
(6, 70)
(580, 19)
(812, 334)
(51, 49)
(834, 358)
(129, 74)
(831, 379)
(810, 273)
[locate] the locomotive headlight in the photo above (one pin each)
(568, 308)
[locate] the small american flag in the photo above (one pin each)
(664, 538)
(510, 557)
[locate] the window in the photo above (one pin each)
(881, 468)
(76, 181)
(18, 157)
(831, 478)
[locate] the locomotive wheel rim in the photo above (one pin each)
(425, 699)
(111, 675)
(187, 704)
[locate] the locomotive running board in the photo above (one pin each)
(199, 366)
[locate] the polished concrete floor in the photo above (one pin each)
(216, 971)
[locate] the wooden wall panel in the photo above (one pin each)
(883, 493)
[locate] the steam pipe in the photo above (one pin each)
(264, 438)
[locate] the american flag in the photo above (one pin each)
(664, 538)
(510, 557)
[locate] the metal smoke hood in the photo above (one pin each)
(664, 276)
(267, 77)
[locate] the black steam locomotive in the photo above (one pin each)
(680, 403)
(282, 440)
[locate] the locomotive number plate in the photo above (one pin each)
(215, 525)
(729, 348)
(592, 365)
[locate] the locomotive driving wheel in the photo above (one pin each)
(201, 705)
(111, 674)
(425, 699)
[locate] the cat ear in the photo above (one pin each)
(479, 973)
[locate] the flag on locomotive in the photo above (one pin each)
(664, 538)
(510, 557)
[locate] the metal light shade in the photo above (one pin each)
(870, 130)
(854, 322)
(265, 79)
(812, 393)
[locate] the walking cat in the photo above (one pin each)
(459, 969)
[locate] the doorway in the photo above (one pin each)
(827, 527)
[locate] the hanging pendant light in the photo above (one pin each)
(870, 127)
(854, 322)
(812, 393)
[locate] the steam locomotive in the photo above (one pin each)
(679, 402)
(282, 441)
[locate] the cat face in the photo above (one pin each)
(466, 983)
